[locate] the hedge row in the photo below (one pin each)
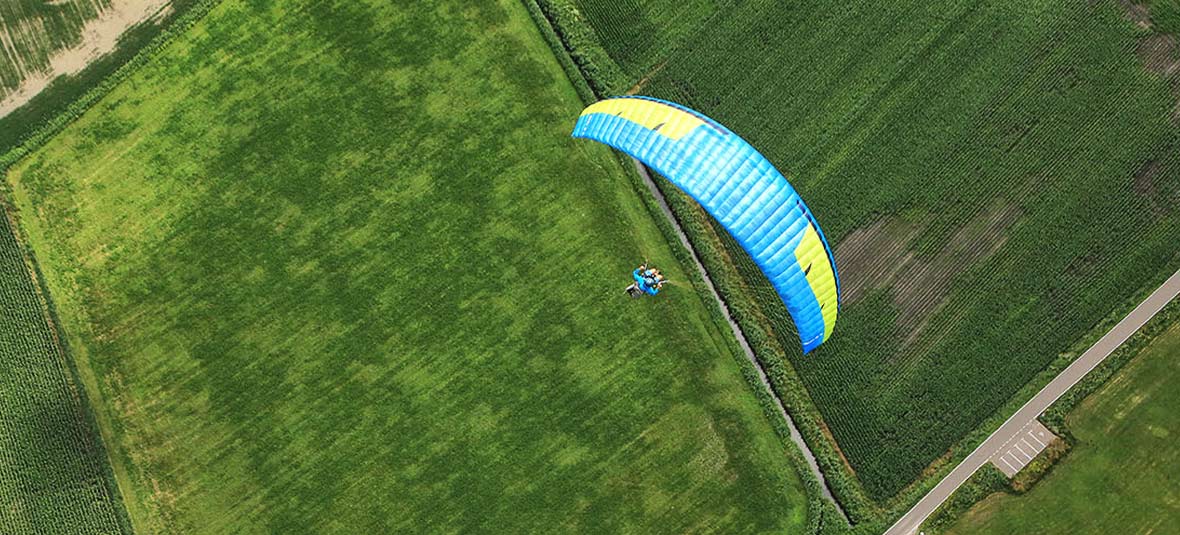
(783, 378)
(558, 47)
(1054, 416)
(41, 135)
(1040, 466)
(48, 394)
(844, 484)
(822, 516)
(820, 512)
(582, 46)
(18, 124)
(987, 481)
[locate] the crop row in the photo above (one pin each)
(54, 476)
(896, 406)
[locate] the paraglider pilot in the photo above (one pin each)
(648, 281)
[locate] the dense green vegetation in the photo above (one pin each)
(985, 482)
(54, 475)
(1165, 15)
(638, 34)
(1120, 476)
(997, 177)
(339, 267)
(988, 480)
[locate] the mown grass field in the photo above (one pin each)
(1120, 476)
(997, 177)
(338, 267)
(54, 474)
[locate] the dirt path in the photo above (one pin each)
(100, 36)
(737, 332)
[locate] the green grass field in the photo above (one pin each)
(54, 474)
(1120, 476)
(338, 267)
(996, 177)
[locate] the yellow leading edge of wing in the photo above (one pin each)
(661, 118)
(811, 252)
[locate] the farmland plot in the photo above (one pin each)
(338, 267)
(54, 474)
(31, 31)
(638, 34)
(997, 177)
(1119, 477)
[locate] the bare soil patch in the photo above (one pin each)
(823, 426)
(635, 89)
(1144, 184)
(880, 256)
(1160, 54)
(100, 36)
(874, 256)
(1137, 13)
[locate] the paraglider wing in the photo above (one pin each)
(740, 189)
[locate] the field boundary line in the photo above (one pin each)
(47, 313)
(41, 135)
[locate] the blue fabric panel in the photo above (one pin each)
(738, 187)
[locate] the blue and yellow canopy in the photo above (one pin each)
(738, 187)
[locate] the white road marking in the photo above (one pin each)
(1021, 449)
(1010, 467)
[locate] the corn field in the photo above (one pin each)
(54, 473)
(995, 177)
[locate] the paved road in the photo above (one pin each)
(737, 331)
(909, 523)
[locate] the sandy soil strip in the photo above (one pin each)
(99, 37)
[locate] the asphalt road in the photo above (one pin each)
(909, 523)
